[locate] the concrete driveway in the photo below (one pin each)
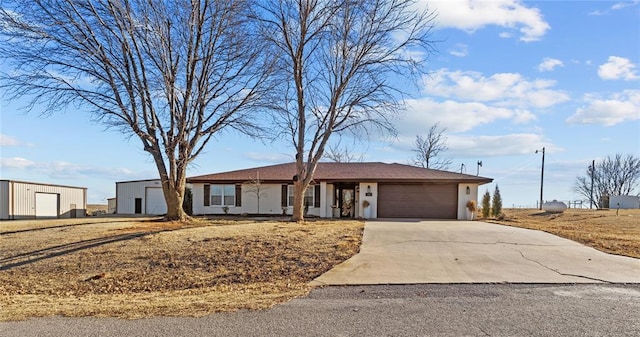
(408, 252)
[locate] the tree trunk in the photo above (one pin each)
(172, 188)
(174, 196)
(298, 201)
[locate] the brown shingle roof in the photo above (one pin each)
(345, 172)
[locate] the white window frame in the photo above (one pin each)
(308, 193)
(223, 196)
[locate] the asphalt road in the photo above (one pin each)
(393, 310)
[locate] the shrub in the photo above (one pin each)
(486, 204)
(496, 207)
(187, 202)
(471, 205)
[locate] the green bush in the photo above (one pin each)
(187, 202)
(496, 208)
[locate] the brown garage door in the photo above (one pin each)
(418, 201)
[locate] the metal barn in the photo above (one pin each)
(140, 197)
(29, 200)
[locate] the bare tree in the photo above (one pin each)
(429, 149)
(611, 176)
(171, 73)
(255, 188)
(338, 154)
(341, 67)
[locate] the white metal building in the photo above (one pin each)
(28, 200)
(624, 201)
(140, 197)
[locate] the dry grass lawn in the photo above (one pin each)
(601, 229)
(138, 267)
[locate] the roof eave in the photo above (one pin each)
(480, 181)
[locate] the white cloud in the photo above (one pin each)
(486, 146)
(263, 157)
(549, 64)
(523, 116)
(504, 89)
(615, 7)
(7, 141)
(502, 145)
(64, 170)
(618, 68)
(460, 51)
(455, 116)
(618, 108)
(621, 5)
(471, 15)
(16, 162)
(461, 101)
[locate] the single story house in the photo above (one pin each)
(30, 200)
(369, 190)
(140, 197)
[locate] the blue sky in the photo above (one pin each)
(510, 77)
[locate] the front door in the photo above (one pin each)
(346, 195)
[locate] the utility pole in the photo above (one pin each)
(593, 173)
(541, 177)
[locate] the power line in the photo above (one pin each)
(520, 168)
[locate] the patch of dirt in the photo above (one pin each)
(611, 231)
(140, 267)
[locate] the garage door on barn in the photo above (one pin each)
(427, 201)
(154, 201)
(46, 205)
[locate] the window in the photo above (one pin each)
(309, 195)
(290, 193)
(223, 195)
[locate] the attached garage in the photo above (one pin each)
(433, 201)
